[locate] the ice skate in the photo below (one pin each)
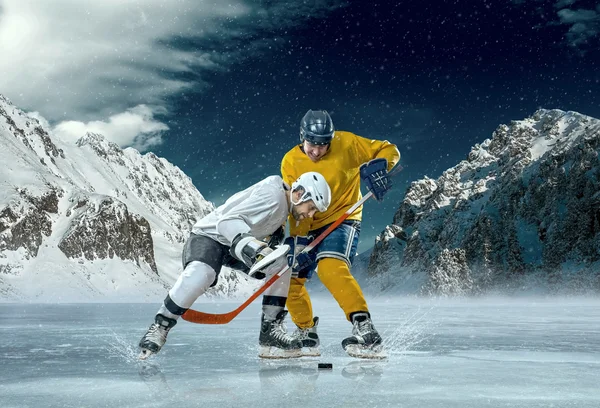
(156, 336)
(275, 342)
(365, 342)
(309, 338)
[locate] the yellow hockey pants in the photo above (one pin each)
(335, 275)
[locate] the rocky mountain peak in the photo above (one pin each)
(88, 218)
(101, 146)
(521, 210)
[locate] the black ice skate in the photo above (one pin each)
(365, 342)
(309, 338)
(156, 336)
(275, 342)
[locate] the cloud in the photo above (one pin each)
(84, 61)
(585, 25)
(136, 127)
(564, 3)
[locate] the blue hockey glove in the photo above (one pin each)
(304, 260)
(375, 176)
(302, 263)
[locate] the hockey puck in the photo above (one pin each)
(326, 366)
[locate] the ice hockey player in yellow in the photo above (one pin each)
(343, 158)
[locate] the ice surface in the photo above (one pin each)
(442, 353)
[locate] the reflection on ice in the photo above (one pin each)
(442, 353)
(294, 378)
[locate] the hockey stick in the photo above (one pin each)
(195, 316)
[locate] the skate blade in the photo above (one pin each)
(358, 351)
(145, 353)
(311, 352)
(277, 353)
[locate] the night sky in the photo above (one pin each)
(432, 77)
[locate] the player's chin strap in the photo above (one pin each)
(195, 316)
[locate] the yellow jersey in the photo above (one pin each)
(340, 167)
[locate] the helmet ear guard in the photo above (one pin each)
(316, 127)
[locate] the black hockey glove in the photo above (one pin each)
(375, 176)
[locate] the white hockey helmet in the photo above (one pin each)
(315, 188)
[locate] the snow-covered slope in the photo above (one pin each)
(522, 212)
(90, 221)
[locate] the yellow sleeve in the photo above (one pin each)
(289, 175)
(369, 149)
(287, 171)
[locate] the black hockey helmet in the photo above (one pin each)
(316, 127)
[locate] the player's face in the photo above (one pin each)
(315, 152)
(304, 210)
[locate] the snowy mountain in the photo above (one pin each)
(522, 212)
(90, 221)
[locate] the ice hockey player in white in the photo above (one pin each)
(234, 235)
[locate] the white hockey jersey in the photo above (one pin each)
(259, 210)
